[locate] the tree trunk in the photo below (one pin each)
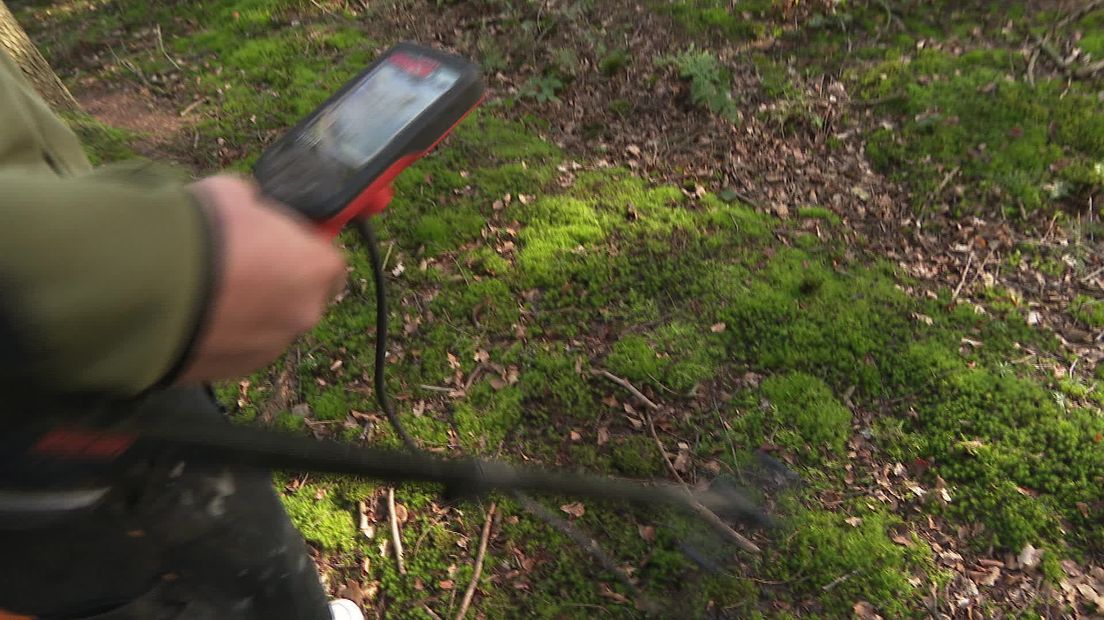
(18, 45)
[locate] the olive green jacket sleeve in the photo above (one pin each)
(104, 275)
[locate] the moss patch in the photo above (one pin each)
(1021, 146)
(860, 560)
(797, 411)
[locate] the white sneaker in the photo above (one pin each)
(344, 609)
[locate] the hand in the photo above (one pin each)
(274, 275)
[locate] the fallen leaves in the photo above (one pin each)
(575, 509)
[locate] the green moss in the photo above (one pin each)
(321, 520)
(861, 562)
(102, 143)
(794, 313)
(819, 213)
(718, 16)
(331, 404)
(613, 62)
(288, 422)
(550, 382)
(487, 416)
(960, 113)
(1088, 311)
(637, 456)
(1017, 461)
(796, 411)
(676, 356)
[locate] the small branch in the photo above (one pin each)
(470, 592)
(630, 387)
(1089, 278)
(395, 530)
(437, 388)
(965, 272)
(708, 515)
(838, 580)
(1080, 12)
(748, 200)
(474, 375)
(387, 256)
(1031, 67)
(161, 46)
(1087, 71)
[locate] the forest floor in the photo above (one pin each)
(849, 252)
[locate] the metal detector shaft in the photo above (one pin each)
(273, 450)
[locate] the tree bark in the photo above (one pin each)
(18, 45)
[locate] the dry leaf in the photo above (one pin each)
(603, 435)
(647, 532)
(865, 611)
(575, 436)
(447, 584)
(352, 591)
(682, 461)
(853, 521)
(482, 356)
(717, 328)
(1030, 556)
(610, 594)
(401, 513)
(575, 509)
(902, 540)
(452, 361)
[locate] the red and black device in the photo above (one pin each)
(339, 162)
(334, 167)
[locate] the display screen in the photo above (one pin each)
(356, 127)
(314, 167)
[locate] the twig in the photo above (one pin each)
(437, 388)
(838, 580)
(1031, 67)
(387, 256)
(395, 530)
(1080, 12)
(191, 106)
(1089, 278)
(1087, 71)
(946, 179)
(161, 46)
(708, 515)
(470, 592)
(965, 272)
(748, 200)
(429, 612)
(647, 402)
(474, 375)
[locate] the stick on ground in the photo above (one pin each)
(483, 539)
(706, 514)
(395, 530)
(630, 387)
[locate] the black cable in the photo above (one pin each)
(368, 237)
